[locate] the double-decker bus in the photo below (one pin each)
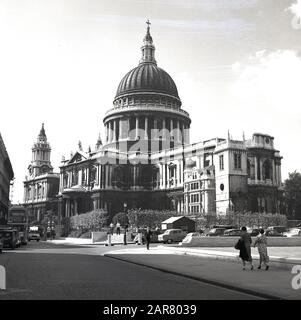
(17, 220)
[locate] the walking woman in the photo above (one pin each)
(261, 242)
(245, 249)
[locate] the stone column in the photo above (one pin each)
(256, 169)
(260, 167)
(156, 128)
(110, 131)
(171, 127)
(161, 175)
(120, 129)
(99, 175)
(146, 127)
(186, 204)
(114, 131)
(163, 128)
(137, 128)
(273, 172)
(110, 175)
(107, 175)
(178, 173)
(163, 171)
(179, 131)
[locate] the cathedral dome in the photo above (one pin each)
(147, 77)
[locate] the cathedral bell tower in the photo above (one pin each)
(40, 162)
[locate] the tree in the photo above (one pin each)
(292, 195)
(122, 218)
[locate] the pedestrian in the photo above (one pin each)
(148, 234)
(112, 228)
(245, 249)
(261, 242)
(139, 236)
(118, 227)
(125, 234)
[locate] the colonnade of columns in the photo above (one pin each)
(171, 176)
(259, 168)
(38, 191)
(172, 126)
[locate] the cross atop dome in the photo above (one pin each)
(148, 49)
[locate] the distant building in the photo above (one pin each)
(41, 185)
(147, 161)
(6, 176)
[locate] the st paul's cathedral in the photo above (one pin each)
(146, 159)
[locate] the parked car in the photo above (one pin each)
(273, 233)
(293, 232)
(215, 232)
(232, 232)
(253, 232)
(172, 235)
(9, 238)
(34, 235)
(279, 229)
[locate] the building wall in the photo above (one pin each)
(6, 175)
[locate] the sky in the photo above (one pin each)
(236, 64)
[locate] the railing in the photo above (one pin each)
(267, 182)
(149, 107)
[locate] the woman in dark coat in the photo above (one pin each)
(245, 248)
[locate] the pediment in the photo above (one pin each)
(78, 157)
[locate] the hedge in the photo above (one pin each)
(239, 219)
(148, 217)
(90, 221)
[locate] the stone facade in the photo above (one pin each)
(41, 186)
(147, 160)
(6, 176)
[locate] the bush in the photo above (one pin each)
(122, 218)
(239, 219)
(90, 221)
(151, 218)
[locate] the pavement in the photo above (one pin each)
(217, 266)
(276, 283)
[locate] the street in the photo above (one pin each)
(42, 270)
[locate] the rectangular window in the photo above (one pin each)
(237, 161)
(221, 162)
